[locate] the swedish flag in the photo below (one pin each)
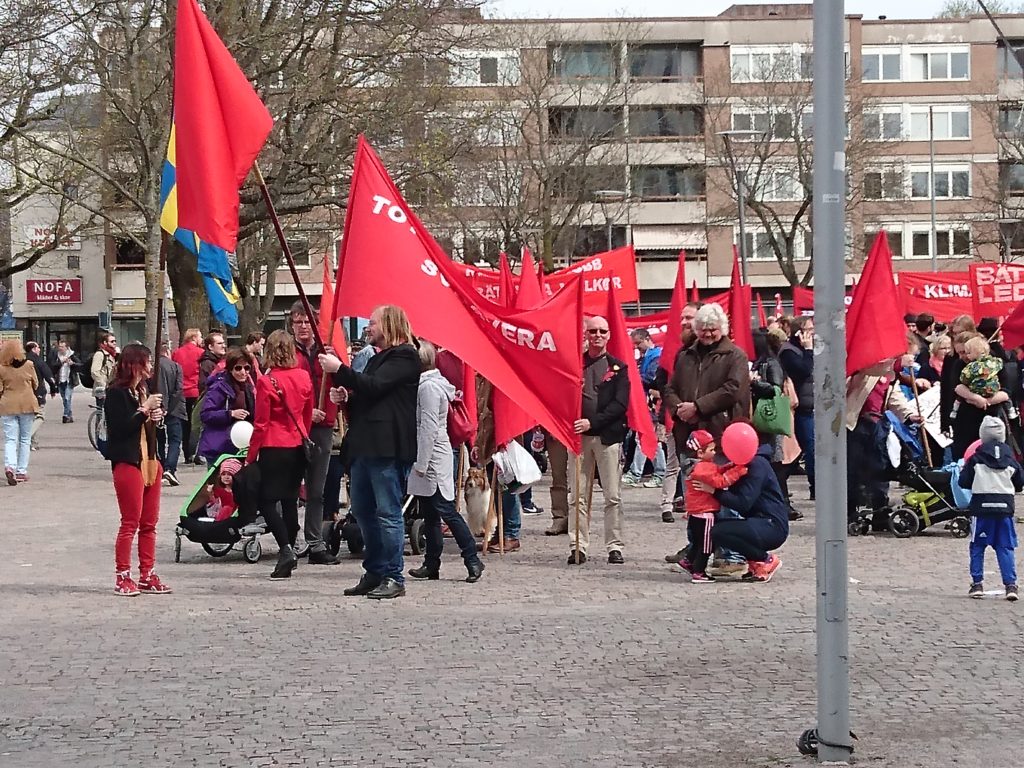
(211, 260)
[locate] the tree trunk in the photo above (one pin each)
(154, 278)
(190, 303)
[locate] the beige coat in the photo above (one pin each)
(18, 389)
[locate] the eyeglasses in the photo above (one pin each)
(242, 368)
(602, 331)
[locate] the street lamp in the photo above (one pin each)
(740, 175)
(604, 198)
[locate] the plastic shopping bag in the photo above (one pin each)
(517, 469)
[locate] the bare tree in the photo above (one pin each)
(962, 9)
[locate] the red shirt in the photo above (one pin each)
(187, 356)
(707, 472)
(275, 419)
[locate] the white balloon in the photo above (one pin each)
(241, 434)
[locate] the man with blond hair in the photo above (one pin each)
(602, 428)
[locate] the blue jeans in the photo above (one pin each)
(66, 390)
(377, 504)
(512, 515)
(1004, 556)
(435, 509)
(724, 553)
(751, 538)
(169, 443)
(637, 468)
(803, 426)
(17, 441)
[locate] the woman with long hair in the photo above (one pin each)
(132, 415)
(284, 413)
(18, 407)
(230, 398)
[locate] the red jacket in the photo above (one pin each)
(311, 365)
(275, 420)
(187, 356)
(718, 477)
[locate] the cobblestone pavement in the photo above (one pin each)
(538, 663)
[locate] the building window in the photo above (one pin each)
(1008, 61)
(577, 123)
(665, 62)
(883, 125)
(771, 64)
(938, 65)
(778, 126)
(895, 237)
(593, 61)
(1011, 119)
(666, 122)
(74, 260)
(299, 248)
(668, 182)
(484, 68)
(776, 185)
(1011, 177)
(128, 254)
(884, 184)
(881, 65)
(949, 243)
(948, 123)
(949, 183)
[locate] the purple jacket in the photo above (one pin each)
(216, 415)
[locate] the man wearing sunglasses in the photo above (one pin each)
(603, 428)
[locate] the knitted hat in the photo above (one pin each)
(230, 467)
(992, 430)
(699, 439)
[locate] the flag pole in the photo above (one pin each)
(459, 480)
(161, 290)
(576, 549)
(924, 432)
(287, 254)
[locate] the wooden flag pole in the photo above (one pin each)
(287, 254)
(590, 493)
(579, 470)
(459, 481)
(920, 415)
(500, 530)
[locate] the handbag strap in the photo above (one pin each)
(289, 410)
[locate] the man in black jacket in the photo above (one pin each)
(797, 358)
(603, 427)
(380, 446)
(46, 382)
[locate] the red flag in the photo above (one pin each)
(220, 125)
(507, 282)
(331, 330)
(655, 323)
(944, 295)
(739, 309)
(541, 277)
(778, 305)
(874, 323)
(638, 415)
(389, 257)
(694, 293)
(529, 293)
(674, 331)
(762, 318)
(1013, 328)
(996, 289)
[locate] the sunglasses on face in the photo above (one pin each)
(242, 368)
(602, 331)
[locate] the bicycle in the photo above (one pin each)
(96, 426)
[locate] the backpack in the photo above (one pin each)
(460, 426)
(84, 371)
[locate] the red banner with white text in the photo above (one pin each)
(996, 289)
(943, 295)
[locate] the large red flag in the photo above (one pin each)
(694, 293)
(762, 318)
(220, 125)
(874, 322)
(331, 330)
(529, 293)
(388, 257)
(507, 282)
(1013, 328)
(739, 309)
(674, 331)
(638, 415)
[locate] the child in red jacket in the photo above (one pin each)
(701, 506)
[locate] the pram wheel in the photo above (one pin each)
(252, 550)
(960, 527)
(418, 537)
(217, 550)
(857, 527)
(904, 522)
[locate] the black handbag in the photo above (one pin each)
(310, 450)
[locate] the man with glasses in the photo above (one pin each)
(102, 366)
(321, 433)
(603, 428)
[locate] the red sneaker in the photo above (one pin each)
(150, 584)
(124, 586)
(11, 479)
(764, 571)
(21, 478)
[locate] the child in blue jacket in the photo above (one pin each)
(993, 476)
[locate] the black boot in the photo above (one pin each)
(388, 589)
(476, 570)
(286, 562)
(425, 572)
(367, 584)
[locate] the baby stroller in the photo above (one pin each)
(218, 538)
(346, 529)
(929, 501)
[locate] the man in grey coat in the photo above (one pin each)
(169, 384)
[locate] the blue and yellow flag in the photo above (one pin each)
(211, 260)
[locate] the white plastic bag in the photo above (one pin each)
(517, 469)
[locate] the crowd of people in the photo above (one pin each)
(381, 421)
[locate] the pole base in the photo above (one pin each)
(809, 741)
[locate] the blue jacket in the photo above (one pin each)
(757, 494)
(993, 475)
(216, 414)
(649, 366)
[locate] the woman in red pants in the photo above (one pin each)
(132, 415)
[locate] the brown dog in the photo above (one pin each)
(479, 515)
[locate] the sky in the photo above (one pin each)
(651, 8)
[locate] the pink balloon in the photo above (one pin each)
(739, 443)
(971, 449)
